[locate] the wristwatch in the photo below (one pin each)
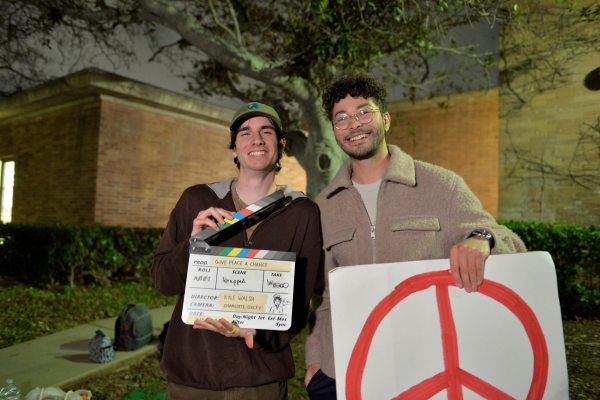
(483, 234)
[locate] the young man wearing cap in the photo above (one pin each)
(215, 359)
(402, 210)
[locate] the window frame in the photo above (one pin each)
(3, 162)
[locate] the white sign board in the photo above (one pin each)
(405, 331)
(249, 287)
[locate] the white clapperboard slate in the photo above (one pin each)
(405, 331)
(252, 288)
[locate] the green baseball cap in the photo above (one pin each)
(252, 110)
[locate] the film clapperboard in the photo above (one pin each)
(252, 288)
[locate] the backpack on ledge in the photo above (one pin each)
(133, 328)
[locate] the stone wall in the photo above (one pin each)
(550, 141)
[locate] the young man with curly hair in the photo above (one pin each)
(402, 210)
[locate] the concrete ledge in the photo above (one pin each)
(128, 358)
(63, 357)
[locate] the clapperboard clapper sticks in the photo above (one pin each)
(245, 217)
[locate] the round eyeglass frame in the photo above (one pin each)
(370, 111)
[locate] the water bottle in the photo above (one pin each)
(10, 391)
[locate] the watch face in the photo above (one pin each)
(483, 234)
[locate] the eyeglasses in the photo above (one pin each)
(364, 116)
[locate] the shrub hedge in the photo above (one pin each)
(102, 254)
(43, 254)
(575, 250)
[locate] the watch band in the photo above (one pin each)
(483, 234)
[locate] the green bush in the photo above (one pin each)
(103, 254)
(576, 253)
(52, 254)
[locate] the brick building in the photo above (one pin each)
(540, 162)
(96, 147)
(458, 132)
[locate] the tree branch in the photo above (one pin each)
(235, 23)
(223, 26)
(165, 13)
(424, 85)
(234, 90)
(104, 15)
(162, 48)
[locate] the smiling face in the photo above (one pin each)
(256, 145)
(360, 141)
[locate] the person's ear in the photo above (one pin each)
(387, 120)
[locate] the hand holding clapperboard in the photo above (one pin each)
(252, 288)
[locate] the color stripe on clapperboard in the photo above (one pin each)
(253, 253)
(248, 211)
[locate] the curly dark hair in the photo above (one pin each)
(356, 85)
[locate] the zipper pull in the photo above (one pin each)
(372, 232)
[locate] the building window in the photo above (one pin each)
(7, 179)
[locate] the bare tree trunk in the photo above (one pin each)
(317, 152)
(323, 154)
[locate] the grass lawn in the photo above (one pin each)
(146, 375)
(34, 312)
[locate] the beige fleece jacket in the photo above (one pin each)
(422, 210)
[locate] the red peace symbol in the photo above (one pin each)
(453, 377)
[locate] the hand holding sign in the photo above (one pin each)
(466, 263)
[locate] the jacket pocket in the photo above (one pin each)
(416, 237)
(415, 223)
(340, 242)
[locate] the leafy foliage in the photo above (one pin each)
(313, 40)
(279, 52)
(574, 249)
(34, 33)
(102, 255)
(76, 253)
